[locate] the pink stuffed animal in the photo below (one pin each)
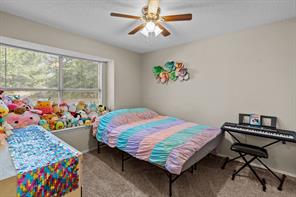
(23, 120)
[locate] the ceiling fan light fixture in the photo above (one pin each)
(157, 31)
(145, 32)
(151, 29)
(151, 20)
(150, 26)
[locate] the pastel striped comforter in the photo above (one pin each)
(146, 135)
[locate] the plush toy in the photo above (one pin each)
(44, 124)
(72, 109)
(83, 117)
(68, 115)
(6, 128)
(56, 108)
(91, 107)
(1, 94)
(74, 121)
(87, 122)
(80, 106)
(51, 120)
(22, 120)
(64, 107)
(12, 107)
(2, 131)
(83, 114)
(93, 115)
(36, 111)
(2, 138)
(45, 106)
(102, 109)
(20, 110)
(18, 101)
(3, 109)
(80, 122)
(28, 102)
(68, 123)
(31, 118)
(66, 118)
(15, 120)
(59, 125)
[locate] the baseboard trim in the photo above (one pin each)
(261, 166)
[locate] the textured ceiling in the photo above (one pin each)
(91, 18)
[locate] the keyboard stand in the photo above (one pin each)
(227, 160)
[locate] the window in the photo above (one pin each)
(42, 75)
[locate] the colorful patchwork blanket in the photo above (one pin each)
(165, 141)
(46, 166)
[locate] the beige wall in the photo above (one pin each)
(248, 71)
(125, 88)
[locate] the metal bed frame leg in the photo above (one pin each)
(172, 178)
(122, 161)
(170, 184)
(99, 147)
(192, 169)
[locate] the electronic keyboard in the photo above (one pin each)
(278, 134)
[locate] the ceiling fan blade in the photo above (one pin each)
(124, 15)
(153, 6)
(138, 28)
(180, 17)
(164, 32)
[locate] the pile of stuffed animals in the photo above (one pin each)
(17, 112)
(171, 71)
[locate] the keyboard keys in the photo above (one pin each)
(261, 131)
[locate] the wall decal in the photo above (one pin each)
(171, 71)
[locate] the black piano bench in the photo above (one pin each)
(254, 151)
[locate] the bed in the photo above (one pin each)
(167, 142)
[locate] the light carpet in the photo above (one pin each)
(102, 177)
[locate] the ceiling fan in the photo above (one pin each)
(152, 21)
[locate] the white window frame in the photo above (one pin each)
(60, 53)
